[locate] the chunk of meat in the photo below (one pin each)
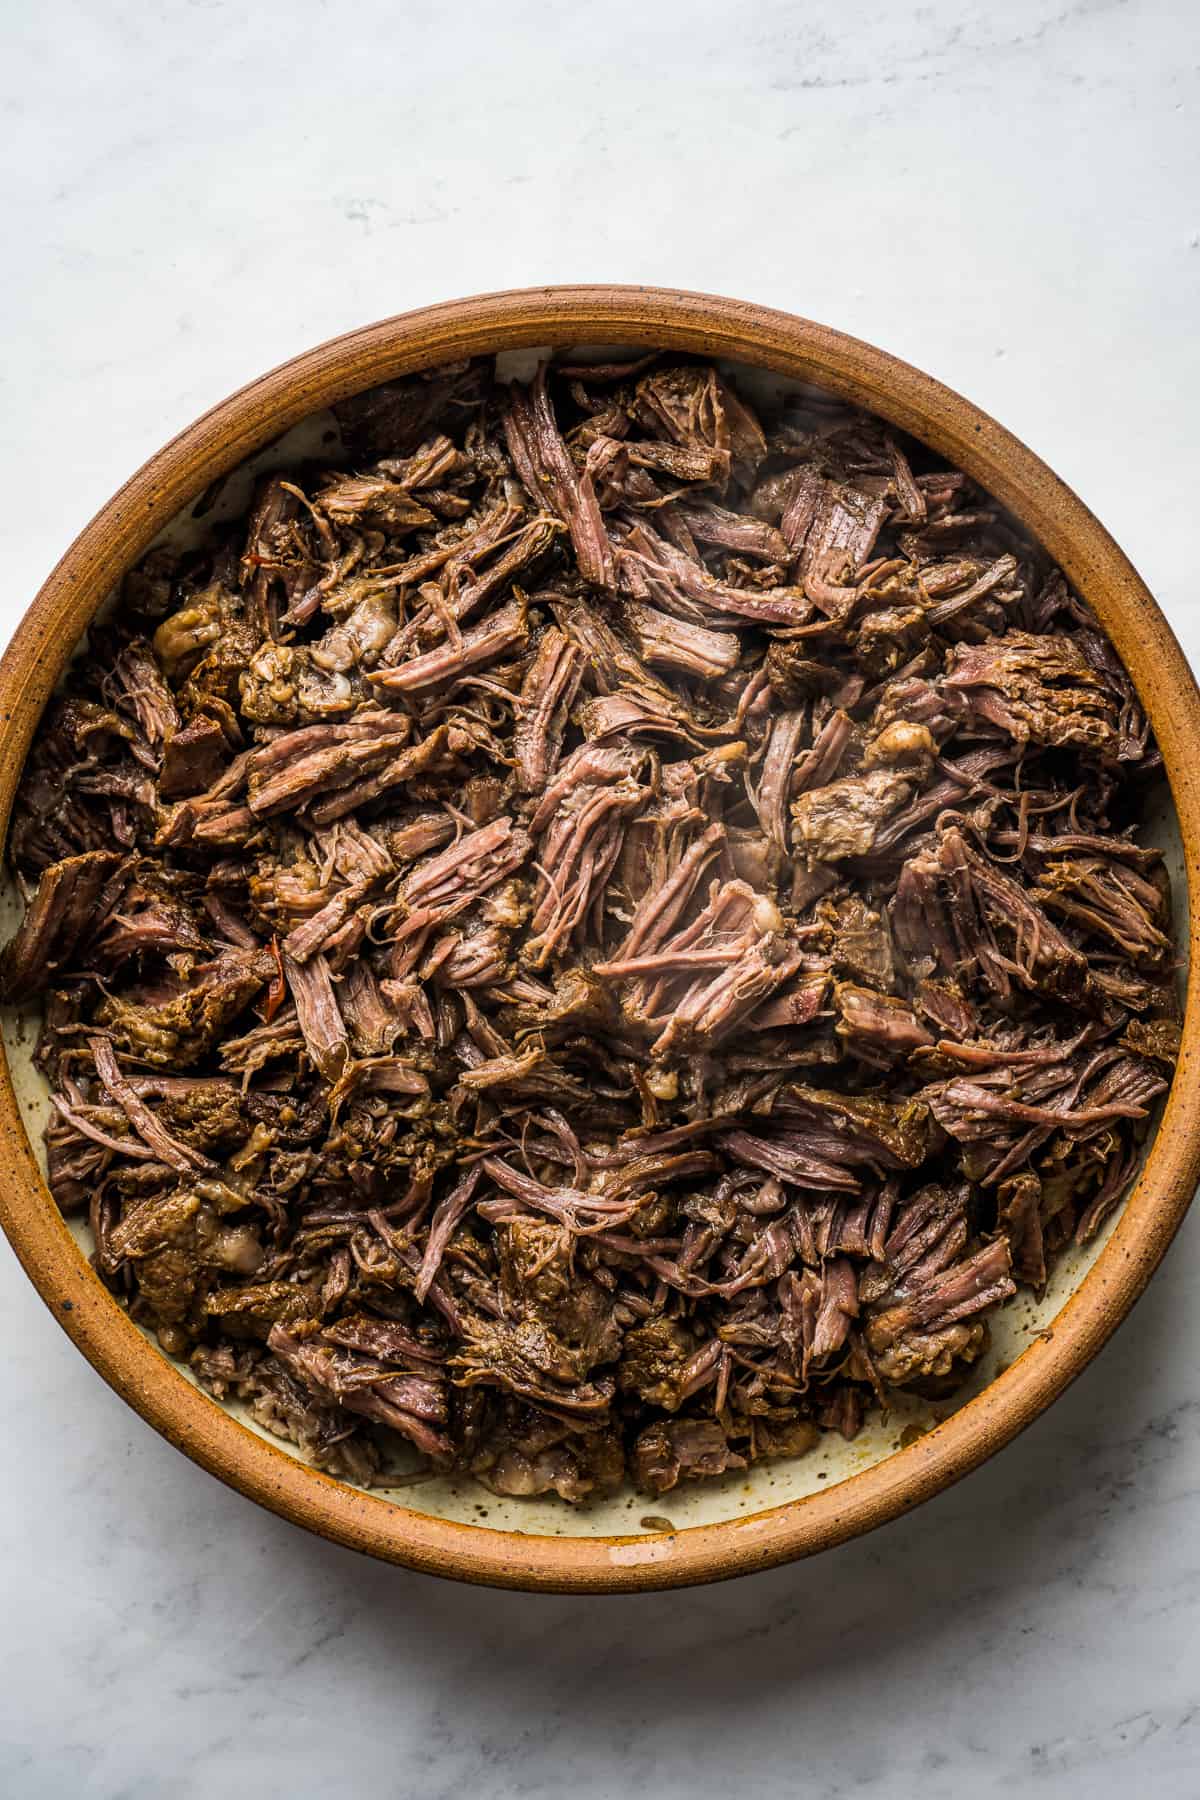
(843, 819)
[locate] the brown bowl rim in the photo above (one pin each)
(654, 317)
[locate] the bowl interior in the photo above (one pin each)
(1014, 1326)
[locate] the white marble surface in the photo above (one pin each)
(1006, 194)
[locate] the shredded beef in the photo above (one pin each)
(594, 935)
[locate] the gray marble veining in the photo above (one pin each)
(1007, 196)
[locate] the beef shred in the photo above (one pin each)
(596, 933)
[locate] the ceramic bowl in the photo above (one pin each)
(774, 1512)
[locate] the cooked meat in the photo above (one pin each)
(601, 935)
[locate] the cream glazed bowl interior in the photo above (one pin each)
(774, 1511)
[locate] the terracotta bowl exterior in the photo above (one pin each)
(797, 351)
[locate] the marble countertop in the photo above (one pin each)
(1005, 195)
